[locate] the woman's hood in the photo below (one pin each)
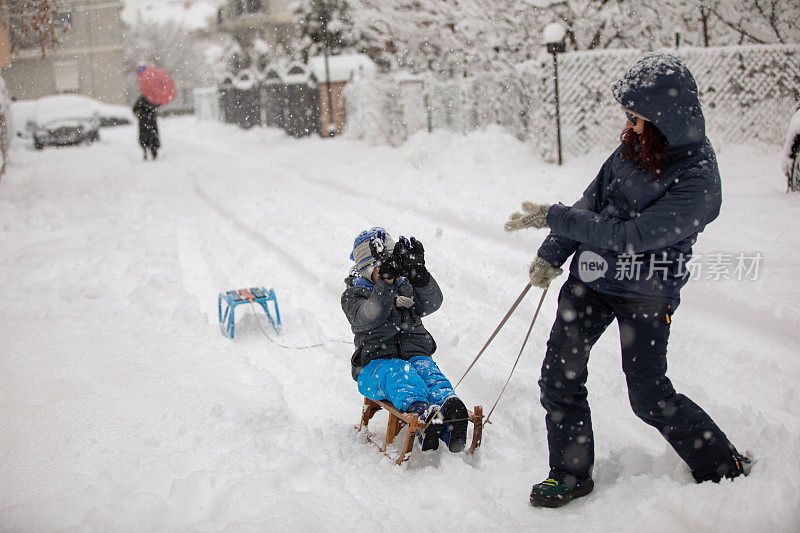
(660, 87)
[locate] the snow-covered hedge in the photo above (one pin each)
(390, 109)
(748, 94)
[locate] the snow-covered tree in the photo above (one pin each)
(324, 22)
(170, 46)
(465, 37)
(727, 22)
(418, 35)
(757, 21)
(233, 57)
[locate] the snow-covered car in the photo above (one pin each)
(63, 132)
(113, 115)
(62, 120)
(28, 115)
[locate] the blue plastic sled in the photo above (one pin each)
(256, 295)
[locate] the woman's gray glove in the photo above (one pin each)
(533, 216)
(542, 273)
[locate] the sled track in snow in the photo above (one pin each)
(250, 232)
(443, 217)
(339, 190)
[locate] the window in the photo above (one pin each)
(254, 6)
(68, 79)
(63, 20)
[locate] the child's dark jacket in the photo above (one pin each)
(384, 330)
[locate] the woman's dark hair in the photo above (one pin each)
(649, 148)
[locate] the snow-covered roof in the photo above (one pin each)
(296, 73)
(343, 67)
(272, 73)
(245, 79)
(191, 14)
(226, 78)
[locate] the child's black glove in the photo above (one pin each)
(410, 256)
(385, 260)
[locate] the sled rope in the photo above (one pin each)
(527, 335)
(497, 330)
(270, 339)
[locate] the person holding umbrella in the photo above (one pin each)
(631, 234)
(157, 89)
(148, 128)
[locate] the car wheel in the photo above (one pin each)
(37, 145)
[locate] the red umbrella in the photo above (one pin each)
(157, 86)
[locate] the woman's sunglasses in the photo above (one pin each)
(631, 118)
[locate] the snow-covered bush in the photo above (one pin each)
(747, 92)
(374, 111)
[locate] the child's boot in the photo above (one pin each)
(455, 417)
(429, 438)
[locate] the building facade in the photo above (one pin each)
(271, 20)
(88, 58)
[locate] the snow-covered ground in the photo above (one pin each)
(122, 408)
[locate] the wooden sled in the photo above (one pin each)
(398, 419)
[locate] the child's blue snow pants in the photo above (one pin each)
(404, 382)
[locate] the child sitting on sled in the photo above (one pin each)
(389, 290)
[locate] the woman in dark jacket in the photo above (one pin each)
(791, 160)
(631, 234)
(148, 129)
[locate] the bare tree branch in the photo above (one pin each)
(31, 24)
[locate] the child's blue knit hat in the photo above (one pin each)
(362, 254)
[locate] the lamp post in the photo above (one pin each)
(554, 35)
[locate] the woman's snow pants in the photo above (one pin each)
(583, 315)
